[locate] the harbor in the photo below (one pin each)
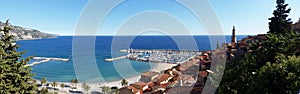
(158, 56)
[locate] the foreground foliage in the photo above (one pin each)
(274, 65)
(14, 76)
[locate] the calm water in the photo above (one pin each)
(61, 47)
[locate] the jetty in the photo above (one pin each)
(45, 59)
(116, 58)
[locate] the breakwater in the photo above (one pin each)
(46, 59)
(117, 58)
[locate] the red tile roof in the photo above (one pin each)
(134, 90)
(203, 73)
(150, 73)
(139, 85)
(163, 77)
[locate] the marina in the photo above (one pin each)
(158, 56)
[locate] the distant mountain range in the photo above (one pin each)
(22, 33)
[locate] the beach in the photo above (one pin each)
(96, 87)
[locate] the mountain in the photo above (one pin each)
(22, 33)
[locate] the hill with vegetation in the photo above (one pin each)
(21, 33)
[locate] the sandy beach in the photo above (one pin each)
(96, 87)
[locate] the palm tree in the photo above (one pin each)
(124, 82)
(62, 86)
(44, 90)
(34, 81)
(43, 81)
(114, 90)
(75, 81)
(86, 87)
(72, 83)
(54, 84)
(105, 89)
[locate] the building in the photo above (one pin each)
(134, 88)
(148, 76)
(141, 86)
(180, 90)
(128, 90)
(186, 80)
(233, 37)
(296, 26)
(163, 80)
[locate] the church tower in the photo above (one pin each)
(233, 37)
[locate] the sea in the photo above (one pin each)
(104, 47)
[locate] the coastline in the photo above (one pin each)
(96, 87)
(157, 67)
(53, 37)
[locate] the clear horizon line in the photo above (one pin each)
(159, 35)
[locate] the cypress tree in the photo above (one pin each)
(15, 77)
(280, 24)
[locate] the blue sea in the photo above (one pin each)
(104, 47)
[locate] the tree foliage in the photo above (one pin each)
(54, 84)
(281, 77)
(43, 81)
(85, 87)
(124, 82)
(106, 89)
(15, 77)
(74, 81)
(272, 67)
(62, 85)
(280, 24)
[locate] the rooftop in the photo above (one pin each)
(150, 73)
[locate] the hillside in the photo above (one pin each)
(22, 33)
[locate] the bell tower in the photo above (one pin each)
(233, 37)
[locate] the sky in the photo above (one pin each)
(152, 17)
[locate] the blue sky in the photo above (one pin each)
(61, 16)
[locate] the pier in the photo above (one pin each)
(117, 58)
(45, 59)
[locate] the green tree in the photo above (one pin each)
(54, 84)
(43, 81)
(272, 67)
(280, 24)
(85, 87)
(114, 90)
(72, 81)
(62, 85)
(34, 81)
(105, 89)
(124, 82)
(44, 90)
(75, 81)
(15, 76)
(283, 76)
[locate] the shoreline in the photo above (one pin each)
(96, 87)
